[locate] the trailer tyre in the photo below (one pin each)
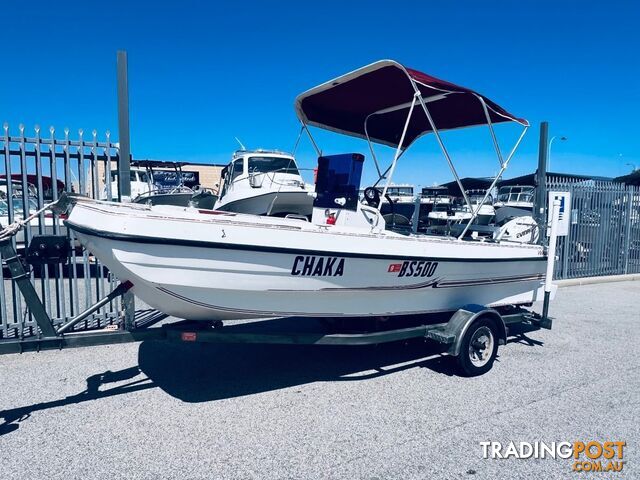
(479, 348)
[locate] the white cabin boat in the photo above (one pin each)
(264, 182)
(514, 201)
(459, 211)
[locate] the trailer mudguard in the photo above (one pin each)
(464, 317)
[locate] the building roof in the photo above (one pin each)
(632, 178)
(530, 179)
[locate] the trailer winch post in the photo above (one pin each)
(551, 259)
(22, 279)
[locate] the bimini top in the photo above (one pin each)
(376, 99)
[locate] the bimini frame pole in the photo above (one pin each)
(503, 164)
(387, 170)
(503, 167)
(491, 130)
(399, 148)
(313, 142)
(442, 147)
(373, 153)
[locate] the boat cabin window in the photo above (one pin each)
(237, 169)
(272, 164)
(134, 176)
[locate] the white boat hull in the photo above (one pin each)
(273, 203)
(236, 266)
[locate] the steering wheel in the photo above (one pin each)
(372, 196)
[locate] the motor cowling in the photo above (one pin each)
(520, 229)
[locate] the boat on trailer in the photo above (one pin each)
(206, 265)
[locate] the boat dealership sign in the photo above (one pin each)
(565, 210)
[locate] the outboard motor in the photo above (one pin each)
(520, 229)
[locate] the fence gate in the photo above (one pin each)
(604, 233)
(34, 170)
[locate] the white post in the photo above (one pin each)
(551, 257)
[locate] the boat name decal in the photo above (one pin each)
(314, 266)
(413, 268)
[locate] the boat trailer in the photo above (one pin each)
(471, 334)
(473, 330)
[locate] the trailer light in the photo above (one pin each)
(331, 219)
(188, 336)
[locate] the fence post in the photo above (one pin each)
(627, 237)
(566, 240)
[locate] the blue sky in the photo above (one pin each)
(202, 73)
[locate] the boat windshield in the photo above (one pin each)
(400, 191)
(273, 164)
(476, 199)
(4, 209)
(515, 194)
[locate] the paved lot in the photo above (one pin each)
(158, 410)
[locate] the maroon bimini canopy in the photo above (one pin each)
(376, 99)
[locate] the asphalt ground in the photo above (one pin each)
(166, 410)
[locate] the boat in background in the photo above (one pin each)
(458, 211)
(264, 182)
(156, 182)
(345, 262)
(398, 205)
(514, 201)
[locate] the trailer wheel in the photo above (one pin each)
(479, 348)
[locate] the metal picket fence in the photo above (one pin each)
(604, 233)
(35, 170)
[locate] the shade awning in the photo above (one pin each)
(376, 99)
(468, 183)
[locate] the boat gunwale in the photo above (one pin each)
(283, 250)
(222, 218)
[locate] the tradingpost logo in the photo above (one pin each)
(589, 456)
